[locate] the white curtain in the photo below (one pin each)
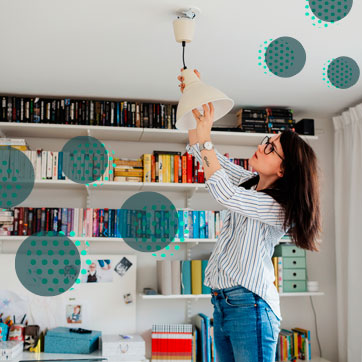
(348, 229)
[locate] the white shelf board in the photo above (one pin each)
(196, 296)
(103, 239)
(115, 185)
(131, 134)
(301, 294)
(175, 296)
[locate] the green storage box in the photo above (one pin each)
(288, 250)
(294, 286)
(294, 274)
(293, 263)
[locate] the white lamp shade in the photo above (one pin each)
(195, 94)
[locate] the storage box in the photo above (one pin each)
(114, 345)
(61, 340)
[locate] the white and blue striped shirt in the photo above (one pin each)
(252, 227)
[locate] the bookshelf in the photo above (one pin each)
(134, 135)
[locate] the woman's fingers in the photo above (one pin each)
(211, 109)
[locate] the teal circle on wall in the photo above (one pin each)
(148, 221)
(343, 72)
(330, 11)
(285, 57)
(16, 177)
(47, 263)
(84, 159)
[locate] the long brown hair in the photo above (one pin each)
(297, 191)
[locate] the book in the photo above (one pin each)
(196, 277)
(185, 277)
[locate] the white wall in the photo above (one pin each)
(296, 311)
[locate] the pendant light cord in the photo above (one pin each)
(183, 54)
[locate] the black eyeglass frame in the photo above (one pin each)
(267, 138)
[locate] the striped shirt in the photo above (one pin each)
(252, 227)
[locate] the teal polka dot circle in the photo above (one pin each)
(285, 57)
(330, 11)
(85, 159)
(45, 265)
(343, 72)
(148, 221)
(16, 177)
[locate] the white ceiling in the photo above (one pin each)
(126, 49)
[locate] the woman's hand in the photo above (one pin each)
(204, 122)
(181, 79)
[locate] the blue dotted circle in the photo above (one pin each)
(285, 57)
(149, 221)
(84, 159)
(16, 177)
(47, 263)
(343, 72)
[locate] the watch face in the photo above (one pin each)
(208, 145)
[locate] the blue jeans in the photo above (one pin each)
(245, 327)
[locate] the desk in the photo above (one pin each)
(46, 356)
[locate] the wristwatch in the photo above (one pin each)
(208, 145)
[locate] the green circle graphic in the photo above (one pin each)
(85, 159)
(343, 72)
(149, 221)
(16, 177)
(285, 57)
(45, 271)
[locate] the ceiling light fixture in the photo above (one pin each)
(196, 93)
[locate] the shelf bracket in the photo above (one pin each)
(89, 195)
(188, 310)
(189, 195)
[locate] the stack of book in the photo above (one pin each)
(175, 277)
(87, 112)
(280, 119)
(6, 222)
(294, 343)
(18, 143)
(265, 120)
(204, 346)
(127, 170)
(171, 342)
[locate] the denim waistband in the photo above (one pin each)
(225, 291)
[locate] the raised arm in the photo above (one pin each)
(235, 172)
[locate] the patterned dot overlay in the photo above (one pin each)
(343, 72)
(285, 57)
(84, 159)
(16, 177)
(329, 11)
(47, 264)
(149, 221)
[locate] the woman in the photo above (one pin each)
(283, 195)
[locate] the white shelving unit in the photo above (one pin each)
(62, 131)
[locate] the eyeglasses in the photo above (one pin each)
(269, 146)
